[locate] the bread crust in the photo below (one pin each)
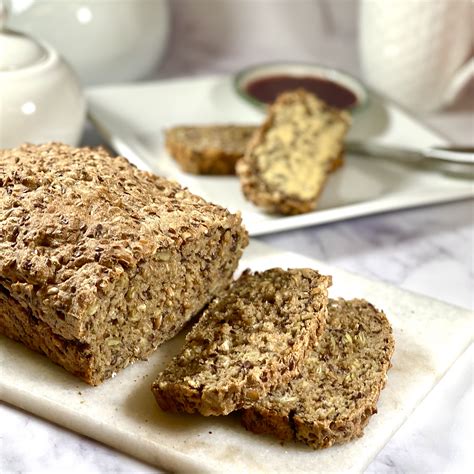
(246, 343)
(208, 150)
(106, 256)
(256, 187)
(19, 324)
(333, 398)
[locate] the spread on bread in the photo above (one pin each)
(288, 160)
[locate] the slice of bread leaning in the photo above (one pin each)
(208, 149)
(337, 390)
(290, 156)
(246, 343)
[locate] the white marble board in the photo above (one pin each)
(430, 336)
(131, 118)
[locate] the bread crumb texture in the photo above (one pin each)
(336, 392)
(246, 343)
(101, 262)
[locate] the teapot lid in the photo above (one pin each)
(17, 51)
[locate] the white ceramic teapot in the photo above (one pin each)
(104, 40)
(40, 97)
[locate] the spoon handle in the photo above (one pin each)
(457, 154)
(406, 155)
(451, 154)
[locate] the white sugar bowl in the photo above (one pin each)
(40, 97)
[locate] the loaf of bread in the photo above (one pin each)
(210, 149)
(246, 343)
(101, 262)
(287, 162)
(337, 390)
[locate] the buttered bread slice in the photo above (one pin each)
(337, 390)
(289, 158)
(246, 343)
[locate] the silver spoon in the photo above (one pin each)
(452, 159)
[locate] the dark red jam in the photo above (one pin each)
(267, 89)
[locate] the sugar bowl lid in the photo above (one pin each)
(17, 51)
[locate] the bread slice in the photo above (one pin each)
(101, 262)
(214, 149)
(246, 343)
(211, 149)
(289, 158)
(337, 390)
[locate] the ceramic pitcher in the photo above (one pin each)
(417, 51)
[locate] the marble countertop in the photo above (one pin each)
(427, 250)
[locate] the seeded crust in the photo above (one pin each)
(288, 160)
(246, 343)
(101, 262)
(211, 149)
(332, 399)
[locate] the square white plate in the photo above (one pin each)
(131, 118)
(122, 412)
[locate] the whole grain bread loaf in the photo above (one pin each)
(336, 392)
(101, 262)
(208, 149)
(246, 343)
(288, 160)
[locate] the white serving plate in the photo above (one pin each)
(131, 118)
(122, 412)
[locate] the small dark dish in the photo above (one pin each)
(260, 84)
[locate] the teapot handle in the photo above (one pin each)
(460, 79)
